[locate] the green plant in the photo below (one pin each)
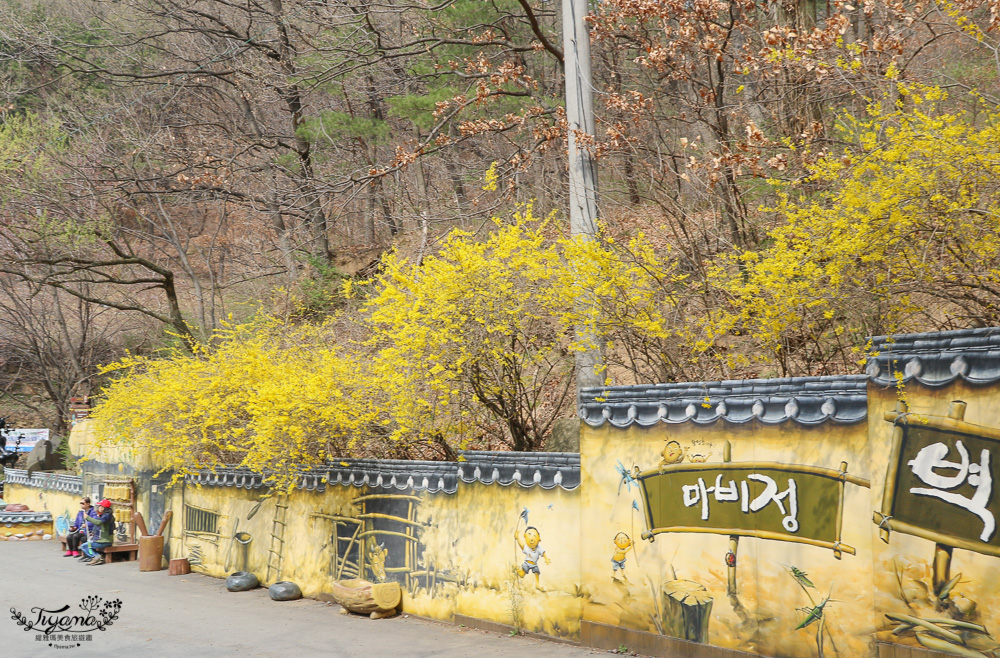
(66, 455)
(516, 601)
(321, 291)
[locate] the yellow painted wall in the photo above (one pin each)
(83, 444)
(480, 546)
(39, 500)
(466, 557)
(466, 542)
(58, 503)
(31, 531)
(903, 567)
(769, 604)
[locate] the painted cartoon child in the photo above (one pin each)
(532, 549)
(672, 453)
(622, 546)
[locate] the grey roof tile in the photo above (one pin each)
(528, 469)
(25, 517)
(72, 484)
(936, 359)
(805, 400)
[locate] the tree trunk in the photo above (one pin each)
(687, 609)
(363, 597)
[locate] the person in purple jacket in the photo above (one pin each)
(104, 528)
(79, 532)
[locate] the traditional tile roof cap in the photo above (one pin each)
(72, 484)
(805, 400)
(241, 478)
(25, 517)
(937, 359)
(527, 469)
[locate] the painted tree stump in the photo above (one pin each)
(376, 600)
(687, 608)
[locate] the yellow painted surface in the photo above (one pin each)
(84, 445)
(57, 503)
(38, 500)
(481, 550)
(31, 531)
(903, 568)
(467, 546)
(467, 554)
(769, 603)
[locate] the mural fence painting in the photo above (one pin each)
(718, 513)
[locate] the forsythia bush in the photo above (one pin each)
(477, 341)
(265, 397)
(904, 221)
(472, 347)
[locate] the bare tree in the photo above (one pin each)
(51, 345)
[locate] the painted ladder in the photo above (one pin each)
(277, 539)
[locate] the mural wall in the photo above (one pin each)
(934, 439)
(741, 525)
(495, 537)
(821, 516)
(55, 495)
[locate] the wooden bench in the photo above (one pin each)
(121, 553)
(116, 553)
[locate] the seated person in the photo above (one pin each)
(79, 532)
(104, 535)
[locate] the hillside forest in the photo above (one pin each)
(287, 231)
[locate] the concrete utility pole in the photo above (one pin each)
(582, 169)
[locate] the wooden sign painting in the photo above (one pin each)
(940, 482)
(769, 500)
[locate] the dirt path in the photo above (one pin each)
(189, 615)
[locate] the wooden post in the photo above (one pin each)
(888, 491)
(180, 566)
(942, 566)
(151, 553)
(361, 596)
(734, 540)
(942, 553)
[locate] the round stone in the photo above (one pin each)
(284, 591)
(242, 581)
